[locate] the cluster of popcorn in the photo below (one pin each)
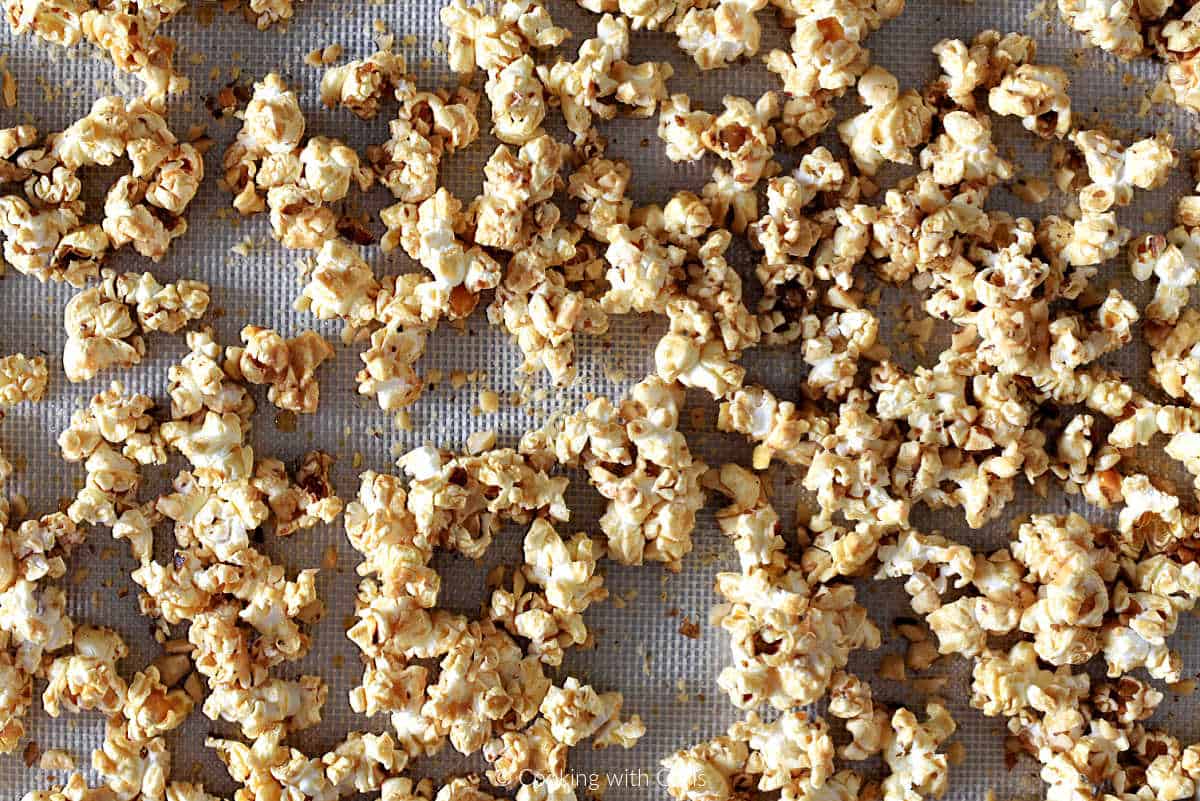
(479, 684)
(793, 628)
(243, 616)
(636, 458)
(42, 223)
(105, 323)
(127, 33)
(273, 167)
(1130, 31)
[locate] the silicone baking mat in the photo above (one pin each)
(667, 678)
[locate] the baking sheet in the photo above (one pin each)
(666, 677)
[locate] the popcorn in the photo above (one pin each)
(271, 706)
(743, 135)
(513, 188)
(1172, 259)
(341, 286)
(113, 437)
(22, 379)
(1036, 94)
(917, 769)
(388, 373)
(894, 125)
(638, 460)
(537, 306)
(601, 72)
(303, 504)
(1116, 171)
(288, 366)
(43, 229)
(126, 34)
(101, 329)
(793, 754)
(681, 128)
(429, 234)
(518, 102)
(575, 711)
(716, 37)
(491, 42)
(361, 85)
(298, 181)
(87, 679)
(429, 125)
(640, 271)
(1115, 28)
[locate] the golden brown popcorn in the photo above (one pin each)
(706, 772)
(599, 184)
(1010, 683)
(288, 365)
(929, 561)
(43, 229)
(362, 85)
(792, 754)
(518, 101)
(788, 638)
(301, 504)
(641, 271)
(127, 33)
(681, 128)
(429, 233)
(1038, 95)
(981, 65)
(1114, 27)
(198, 383)
(515, 757)
(851, 699)
(911, 753)
(1115, 170)
(1172, 259)
(341, 286)
(298, 178)
(710, 327)
(16, 693)
(717, 37)
(1071, 572)
(493, 41)
(895, 124)
(104, 324)
(965, 152)
(113, 437)
(1176, 367)
(600, 74)
(22, 379)
(429, 125)
(290, 705)
(538, 307)
(87, 679)
(269, 769)
(637, 459)
(575, 711)
(514, 187)
(388, 371)
(742, 134)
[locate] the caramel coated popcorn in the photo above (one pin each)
(22, 379)
(273, 167)
(125, 33)
(43, 226)
(288, 365)
(105, 323)
(956, 381)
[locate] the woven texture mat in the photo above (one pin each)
(667, 678)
